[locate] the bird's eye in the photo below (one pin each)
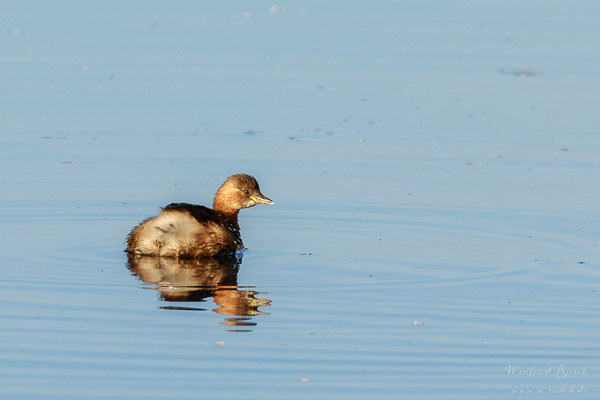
(246, 192)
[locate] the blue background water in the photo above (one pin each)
(434, 167)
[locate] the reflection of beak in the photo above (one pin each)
(261, 199)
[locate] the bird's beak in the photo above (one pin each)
(261, 199)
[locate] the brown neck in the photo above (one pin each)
(222, 206)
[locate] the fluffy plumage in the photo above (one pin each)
(191, 231)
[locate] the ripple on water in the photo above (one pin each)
(433, 246)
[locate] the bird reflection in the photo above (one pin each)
(194, 280)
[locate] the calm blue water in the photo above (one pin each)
(434, 167)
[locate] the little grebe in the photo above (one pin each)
(191, 231)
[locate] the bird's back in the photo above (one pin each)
(186, 231)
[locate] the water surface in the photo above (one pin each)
(434, 168)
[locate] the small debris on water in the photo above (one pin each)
(219, 343)
(527, 73)
(306, 254)
(476, 163)
(362, 140)
(418, 323)
(55, 137)
(276, 10)
(305, 380)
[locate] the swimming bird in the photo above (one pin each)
(193, 231)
